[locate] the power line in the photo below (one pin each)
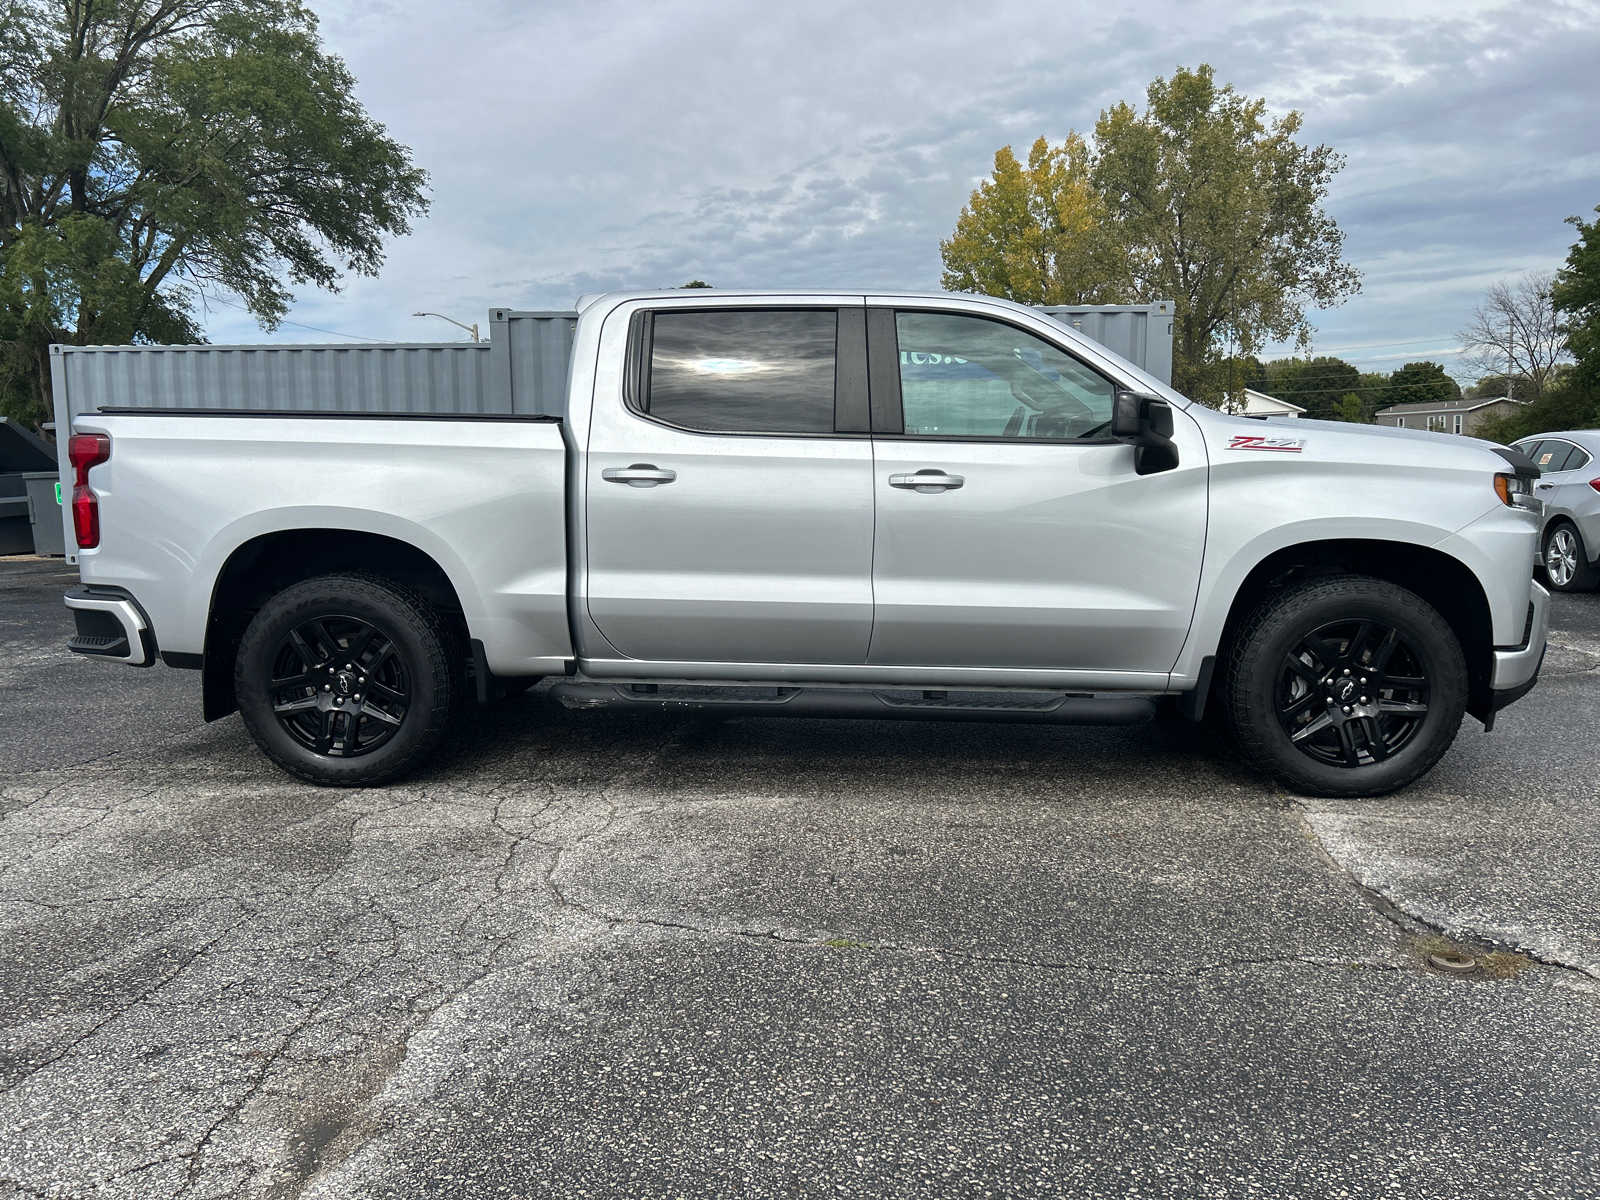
(298, 325)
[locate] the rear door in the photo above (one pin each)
(729, 489)
(1011, 531)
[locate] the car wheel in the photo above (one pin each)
(1566, 559)
(348, 680)
(1345, 687)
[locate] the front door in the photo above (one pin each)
(1011, 532)
(729, 490)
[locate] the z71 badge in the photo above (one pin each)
(1246, 441)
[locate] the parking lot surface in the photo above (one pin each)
(590, 954)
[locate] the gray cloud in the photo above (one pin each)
(579, 148)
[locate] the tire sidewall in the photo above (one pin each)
(1297, 614)
(397, 618)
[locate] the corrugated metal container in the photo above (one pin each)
(1141, 333)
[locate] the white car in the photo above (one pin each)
(1569, 485)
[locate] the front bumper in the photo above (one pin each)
(1516, 668)
(110, 625)
(1517, 665)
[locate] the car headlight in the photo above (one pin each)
(1515, 490)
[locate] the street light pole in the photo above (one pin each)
(472, 329)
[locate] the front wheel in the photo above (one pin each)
(348, 680)
(1346, 686)
(1566, 560)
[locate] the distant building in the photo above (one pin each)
(1446, 416)
(1259, 404)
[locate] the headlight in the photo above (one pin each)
(1515, 490)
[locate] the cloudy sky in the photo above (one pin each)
(585, 146)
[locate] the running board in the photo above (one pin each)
(872, 706)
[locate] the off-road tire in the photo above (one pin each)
(424, 642)
(1585, 577)
(1254, 658)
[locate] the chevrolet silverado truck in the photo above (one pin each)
(932, 507)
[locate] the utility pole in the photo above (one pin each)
(472, 329)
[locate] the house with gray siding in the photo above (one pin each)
(1446, 416)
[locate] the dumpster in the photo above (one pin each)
(22, 452)
(44, 511)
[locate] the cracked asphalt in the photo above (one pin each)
(595, 955)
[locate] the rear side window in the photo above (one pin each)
(1553, 456)
(742, 370)
(969, 377)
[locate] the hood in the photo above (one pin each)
(1345, 440)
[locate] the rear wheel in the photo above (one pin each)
(1566, 559)
(348, 680)
(1346, 686)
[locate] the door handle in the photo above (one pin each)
(638, 475)
(1544, 487)
(927, 481)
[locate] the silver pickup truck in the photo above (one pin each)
(936, 507)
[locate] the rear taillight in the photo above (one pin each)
(1595, 484)
(86, 450)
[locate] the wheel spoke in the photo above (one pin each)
(1375, 744)
(1386, 648)
(372, 710)
(1317, 724)
(305, 679)
(383, 690)
(307, 653)
(1323, 652)
(360, 641)
(1300, 667)
(324, 640)
(1299, 706)
(295, 706)
(1358, 644)
(383, 655)
(1402, 708)
(346, 735)
(325, 732)
(1403, 682)
(1347, 742)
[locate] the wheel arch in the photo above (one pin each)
(264, 565)
(1443, 581)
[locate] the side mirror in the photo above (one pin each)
(1145, 423)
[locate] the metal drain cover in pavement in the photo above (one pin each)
(1458, 963)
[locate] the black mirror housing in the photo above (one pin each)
(1145, 423)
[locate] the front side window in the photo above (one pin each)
(743, 370)
(968, 377)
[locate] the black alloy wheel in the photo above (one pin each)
(339, 685)
(1344, 685)
(349, 680)
(1352, 693)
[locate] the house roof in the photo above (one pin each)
(1262, 398)
(1445, 406)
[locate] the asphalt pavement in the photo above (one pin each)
(592, 955)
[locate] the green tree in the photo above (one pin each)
(1038, 233)
(1576, 294)
(1421, 383)
(1318, 385)
(1221, 210)
(153, 148)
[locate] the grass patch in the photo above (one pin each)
(845, 944)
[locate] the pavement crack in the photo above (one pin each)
(1410, 923)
